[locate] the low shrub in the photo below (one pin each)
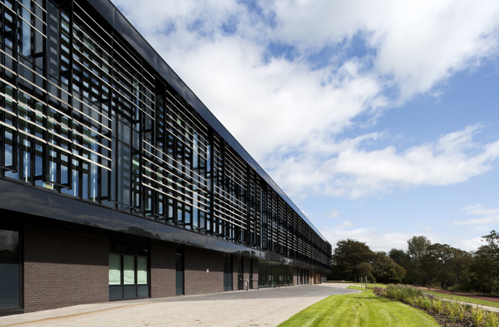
(477, 315)
(379, 291)
(439, 307)
(451, 309)
(491, 319)
(461, 312)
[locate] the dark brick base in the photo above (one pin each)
(63, 268)
(162, 271)
(203, 272)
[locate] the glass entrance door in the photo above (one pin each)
(10, 271)
(128, 268)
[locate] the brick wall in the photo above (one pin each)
(162, 271)
(197, 280)
(63, 268)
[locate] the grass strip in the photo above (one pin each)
(463, 299)
(363, 309)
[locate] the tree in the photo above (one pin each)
(446, 265)
(402, 261)
(417, 248)
(399, 256)
(400, 272)
(383, 267)
(492, 240)
(347, 255)
(485, 268)
(364, 269)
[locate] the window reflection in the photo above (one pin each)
(9, 270)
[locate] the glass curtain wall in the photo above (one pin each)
(83, 114)
(274, 275)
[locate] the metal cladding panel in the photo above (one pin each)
(29, 200)
(106, 9)
(22, 198)
(116, 19)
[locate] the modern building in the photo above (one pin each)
(116, 182)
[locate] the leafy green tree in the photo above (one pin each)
(400, 273)
(485, 268)
(364, 269)
(347, 255)
(402, 260)
(399, 256)
(492, 240)
(417, 249)
(446, 265)
(383, 267)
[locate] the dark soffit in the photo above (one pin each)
(20, 197)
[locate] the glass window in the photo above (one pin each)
(128, 264)
(128, 269)
(141, 270)
(25, 37)
(9, 270)
(114, 269)
(227, 272)
(179, 272)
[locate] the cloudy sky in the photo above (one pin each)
(379, 119)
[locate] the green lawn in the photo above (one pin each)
(371, 285)
(363, 309)
(464, 299)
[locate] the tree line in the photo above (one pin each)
(422, 263)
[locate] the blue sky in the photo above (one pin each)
(379, 119)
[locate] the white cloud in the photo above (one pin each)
(377, 240)
(332, 214)
(417, 43)
(471, 244)
(291, 115)
(352, 171)
(488, 219)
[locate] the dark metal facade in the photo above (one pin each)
(89, 112)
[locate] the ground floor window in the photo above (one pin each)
(179, 272)
(271, 274)
(227, 272)
(10, 270)
(128, 268)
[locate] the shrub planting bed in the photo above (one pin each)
(447, 313)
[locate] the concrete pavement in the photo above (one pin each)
(265, 307)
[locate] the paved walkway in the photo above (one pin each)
(265, 307)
